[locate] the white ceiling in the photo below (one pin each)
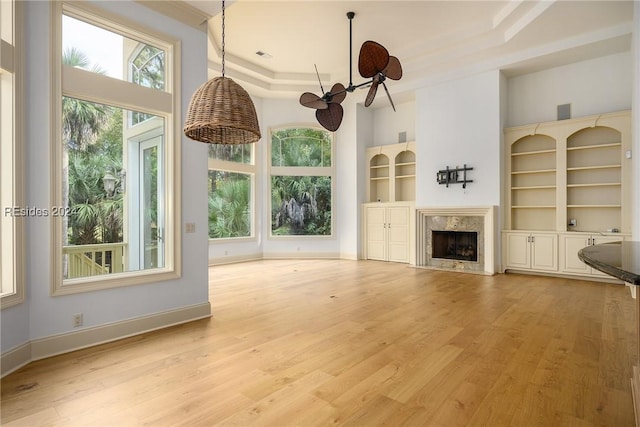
(434, 40)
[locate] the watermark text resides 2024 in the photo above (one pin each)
(33, 211)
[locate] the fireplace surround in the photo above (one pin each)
(445, 223)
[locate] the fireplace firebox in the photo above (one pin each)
(460, 245)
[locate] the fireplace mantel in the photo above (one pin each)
(425, 215)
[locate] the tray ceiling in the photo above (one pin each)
(434, 40)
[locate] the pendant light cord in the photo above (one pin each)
(222, 38)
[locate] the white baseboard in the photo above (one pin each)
(234, 259)
(15, 359)
(299, 255)
(277, 255)
(63, 343)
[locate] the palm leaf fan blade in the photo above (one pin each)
(373, 59)
(372, 92)
(312, 100)
(393, 69)
(338, 93)
(330, 118)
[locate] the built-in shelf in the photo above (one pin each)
(569, 171)
(567, 184)
(534, 187)
(594, 206)
(533, 171)
(589, 147)
(392, 173)
(605, 184)
(585, 168)
(530, 153)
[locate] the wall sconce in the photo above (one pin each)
(109, 183)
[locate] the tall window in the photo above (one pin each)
(11, 221)
(231, 183)
(302, 179)
(114, 156)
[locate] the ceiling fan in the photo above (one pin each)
(374, 62)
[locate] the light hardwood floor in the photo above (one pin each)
(335, 342)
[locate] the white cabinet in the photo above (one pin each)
(570, 179)
(388, 231)
(573, 242)
(531, 251)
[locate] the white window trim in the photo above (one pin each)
(12, 57)
(241, 168)
(97, 88)
(302, 171)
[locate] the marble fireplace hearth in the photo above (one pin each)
(476, 219)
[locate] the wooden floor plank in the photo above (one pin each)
(337, 342)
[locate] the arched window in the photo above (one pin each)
(302, 179)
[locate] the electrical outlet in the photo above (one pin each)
(77, 320)
(190, 227)
(573, 222)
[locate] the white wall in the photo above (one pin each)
(48, 316)
(350, 151)
(387, 124)
(458, 122)
(591, 87)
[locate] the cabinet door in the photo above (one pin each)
(518, 250)
(596, 240)
(398, 233)
(544, 252)
(571, 263)
(376, 233)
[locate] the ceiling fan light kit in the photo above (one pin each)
(221, 111)
(374, 62)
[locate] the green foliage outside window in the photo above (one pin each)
(229, 208)
(238, 153)
(301, 147)
(301, 205)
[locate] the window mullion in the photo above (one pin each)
(86, 85)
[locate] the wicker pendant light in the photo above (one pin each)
(221, 111)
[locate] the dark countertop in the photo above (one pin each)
(620, 260)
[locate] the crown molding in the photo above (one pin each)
(180, 11)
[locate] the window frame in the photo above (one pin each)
(240, 168)
(301, 171)
(92, 87)
(12, 124)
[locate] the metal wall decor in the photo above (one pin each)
(452, 176)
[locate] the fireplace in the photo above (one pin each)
(456, 238)
(460, 245)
